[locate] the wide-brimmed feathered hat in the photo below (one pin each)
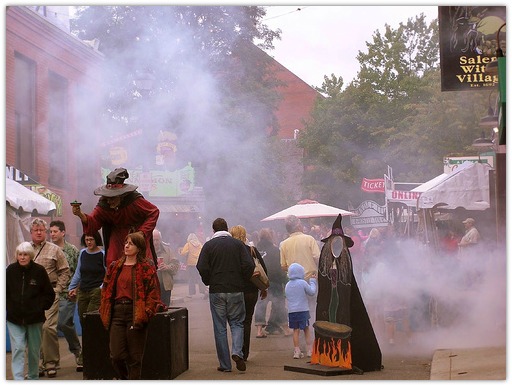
(115, 185)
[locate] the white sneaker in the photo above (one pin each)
(309, 354)
(297, 354)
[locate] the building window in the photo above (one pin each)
(57, 133)
(25, 112)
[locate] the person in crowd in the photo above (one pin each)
(299, 248)
(396, 312)
(356, 252)
(449, 243)
(120, 210)
(167, 268)
(277, 321)
(371, 251)
(225, 266)
(52, 258)
(28, 294)
(254, 238)
(471, 236)
(86, 283)
(302, 249)
(250, 290)
(67, 305)
(363, 236)
(130, 297)
(298, 292)
(469, 254)
(191, 251)
(392, 301)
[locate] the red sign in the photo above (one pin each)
(373, 185)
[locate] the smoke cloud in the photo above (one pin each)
(452, 301)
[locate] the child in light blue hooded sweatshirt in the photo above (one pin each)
(297, 291)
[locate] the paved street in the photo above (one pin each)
(269, 356)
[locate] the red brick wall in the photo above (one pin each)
(297, 103)
(52, 50)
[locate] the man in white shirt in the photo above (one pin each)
(472, 236)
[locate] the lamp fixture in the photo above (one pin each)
(492, 68)
(482, 142)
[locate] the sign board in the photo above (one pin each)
(160, 183)
(369, 214)
(467, 42)
(451, 163)
(372, 186)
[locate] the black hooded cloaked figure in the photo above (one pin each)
(344, 336)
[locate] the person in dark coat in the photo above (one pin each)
(225, 265)
(29, 294)
(278, 319)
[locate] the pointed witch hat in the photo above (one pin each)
(337, 230)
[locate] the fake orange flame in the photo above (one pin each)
(331, 353)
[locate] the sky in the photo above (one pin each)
(325, 39)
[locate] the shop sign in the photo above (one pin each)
(369, 214)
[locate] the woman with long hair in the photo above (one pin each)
(130, 296)
(250, 290)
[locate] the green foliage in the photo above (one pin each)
(393, 113)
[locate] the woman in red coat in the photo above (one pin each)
(130, 296)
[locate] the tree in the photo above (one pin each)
(393, 113)
(210, 86)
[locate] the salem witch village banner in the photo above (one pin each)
(467, 39)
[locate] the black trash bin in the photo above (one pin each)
(166, 354)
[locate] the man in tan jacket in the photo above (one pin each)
(168, 266)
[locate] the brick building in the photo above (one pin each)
(50, 77)
(51, 80)
(298, 100)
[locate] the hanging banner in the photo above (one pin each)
(467, 40)
(373, 186)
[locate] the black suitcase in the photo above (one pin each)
(165, 356)
(166, 352)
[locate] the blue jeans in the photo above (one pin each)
(27, 337)
(66, 325)
(228, 308)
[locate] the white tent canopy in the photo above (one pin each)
(466, 187)
(309, 209)
(21, 202)
(23, 199)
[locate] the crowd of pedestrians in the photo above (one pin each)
(128, 276)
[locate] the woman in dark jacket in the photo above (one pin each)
(250, 290)
(278, 320)
(28, 294)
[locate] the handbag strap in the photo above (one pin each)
(253, 254)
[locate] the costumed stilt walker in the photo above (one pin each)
(344, 336)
